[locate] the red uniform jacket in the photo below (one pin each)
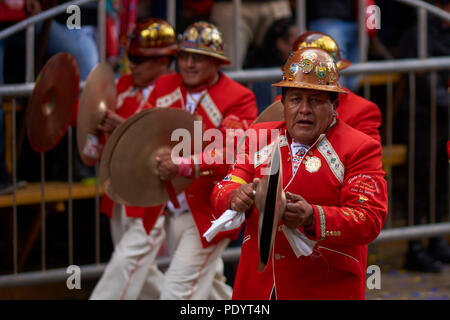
(130, 100)
(342, 178)
(359, 113)
(225, 105)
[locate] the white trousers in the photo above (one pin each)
(132, 272)
(195, 272)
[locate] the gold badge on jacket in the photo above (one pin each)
(313, 164)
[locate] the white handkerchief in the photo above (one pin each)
(300, 244)
(229, 220)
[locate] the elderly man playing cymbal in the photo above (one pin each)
(334, 185)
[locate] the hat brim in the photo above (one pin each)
(223, 60)
(291, 84)
(342, 64)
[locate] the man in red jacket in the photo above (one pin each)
(195, 271)
(335, 190)
(354, 110)
(132, 272)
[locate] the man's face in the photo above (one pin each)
(197, 69)
(308, 113)
(147, 69)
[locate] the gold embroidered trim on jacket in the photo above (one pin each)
(283, 141)
(323, 225)
(169, 99)
(332, 158)
(334, 233)
(262, 155)
(212, 110)
(335, 251)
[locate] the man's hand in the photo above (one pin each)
(298, 211)
(110, 122)
(167, 169)
(244, 196)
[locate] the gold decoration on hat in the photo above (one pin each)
(204, 38)
(310, 59)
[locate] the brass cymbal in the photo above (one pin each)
(270, 200)
(53, 102)
(99, 94)
(104, 168)
(109, 191)
(133, 166)
(274, 112)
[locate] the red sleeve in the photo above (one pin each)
(241, 172)
(364, 202)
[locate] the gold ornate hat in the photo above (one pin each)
(204, 38)
(153, 37)
(311, 68)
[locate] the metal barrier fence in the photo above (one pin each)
(406, 66)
